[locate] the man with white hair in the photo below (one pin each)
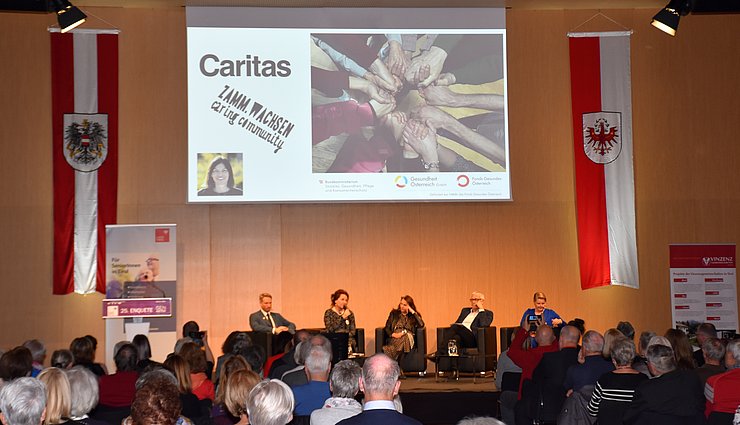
(379, 382)
(703, 333)
(310, 396)
(38, 352)
(672, 397)
(467, 323)
(23, 402)
(594, 364)
(344, 383)
(723, 391)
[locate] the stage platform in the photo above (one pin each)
(447, 401)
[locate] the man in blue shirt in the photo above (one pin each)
(311, 396)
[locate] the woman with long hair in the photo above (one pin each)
(400, 328)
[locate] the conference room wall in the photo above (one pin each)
(686, 111)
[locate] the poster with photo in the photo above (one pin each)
(704, 286)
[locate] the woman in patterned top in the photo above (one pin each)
(340, 319)
(400, 328)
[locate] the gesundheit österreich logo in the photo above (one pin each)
(463, 180)
(401, 181)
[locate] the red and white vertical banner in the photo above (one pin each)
(84, 88)
(601, 95)
(704, 286)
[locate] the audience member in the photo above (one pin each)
(544, 394)
(191, 407)
(703, 332)
(62, 359)
(480, 420)
(288, 361)
(192, 330)
(311, 396)
(83, 385)
(379, 382)
(594, 364)
(614, 391)
(713, 353)
(58, 396)
(23, 402)
(202, 387)
(681, 348)
(270, 403)
(528, 359)
(610, 336)
(344, 383)
(238, 385)
(255, 356)
(672, 397)
(16, 363)
(640, 363)
(627, 330)
(117, 390)
(144, 351)
(283, 345)
(508, 376)
(579, 324)
(38, 353)
(723, 391)
(157, 400)
(233, 344)
(298, 375)
(83, 350)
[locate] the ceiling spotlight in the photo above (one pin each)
(69, 16)
(667, 19)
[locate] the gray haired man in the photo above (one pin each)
(345, 384)
(23, 402)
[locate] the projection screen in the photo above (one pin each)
(346, 105)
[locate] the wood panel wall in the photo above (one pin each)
(687, 157)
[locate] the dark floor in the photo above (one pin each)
(447, 401)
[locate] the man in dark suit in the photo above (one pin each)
(546, 385)
(265, 320)
(379, 382)
(470, 319)
(672, 397)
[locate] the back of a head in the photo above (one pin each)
(157, 402)
(344, 379)
(16, 363)
(63, 359)
(181, 369)
(144, 349)
(544, 336)
(154, 375)
(645, 338)
(189, 327)
(623, 352)
(232, 364)
(195, 357)
(23, 401)
(569, 336)
(126, 358)
(83, 385)
(379, 376)
(236, 390)
(713, 349)
(610, 336)
(661, 357)
(480, 420)
(659, 340)
(733, 350)
(707, 330)
(270, 403)
(255, 356)
(318, 360)
(681, 348)
(627, 330)
(300, 336)
(181, 343)
(58, 395)
(37, 348)
(82, 349)
(593, 342)
(579, 324)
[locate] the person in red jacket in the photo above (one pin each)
(529, 359)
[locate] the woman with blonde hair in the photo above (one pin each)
(610, 337)
(191, 406)
(220, 412)
(58, 396)
(238, 385)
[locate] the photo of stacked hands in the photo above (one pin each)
(408, 103)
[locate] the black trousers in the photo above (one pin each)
(464, 337)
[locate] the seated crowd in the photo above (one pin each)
(552, 372)
(584, 377)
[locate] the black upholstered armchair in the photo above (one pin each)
(474, 360)
(413, 361)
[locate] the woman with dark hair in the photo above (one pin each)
(16, 363)
(63, 359)
(339, 319)
(219, 179)
(202, 387)
(83, 350)
(682, 350)
(141, 342)
(235, 343)
(157, 402)
(400, 328)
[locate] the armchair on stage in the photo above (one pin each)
(472, 360)
(413, 361)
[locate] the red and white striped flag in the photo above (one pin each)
(602, 137)
(84, 87)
